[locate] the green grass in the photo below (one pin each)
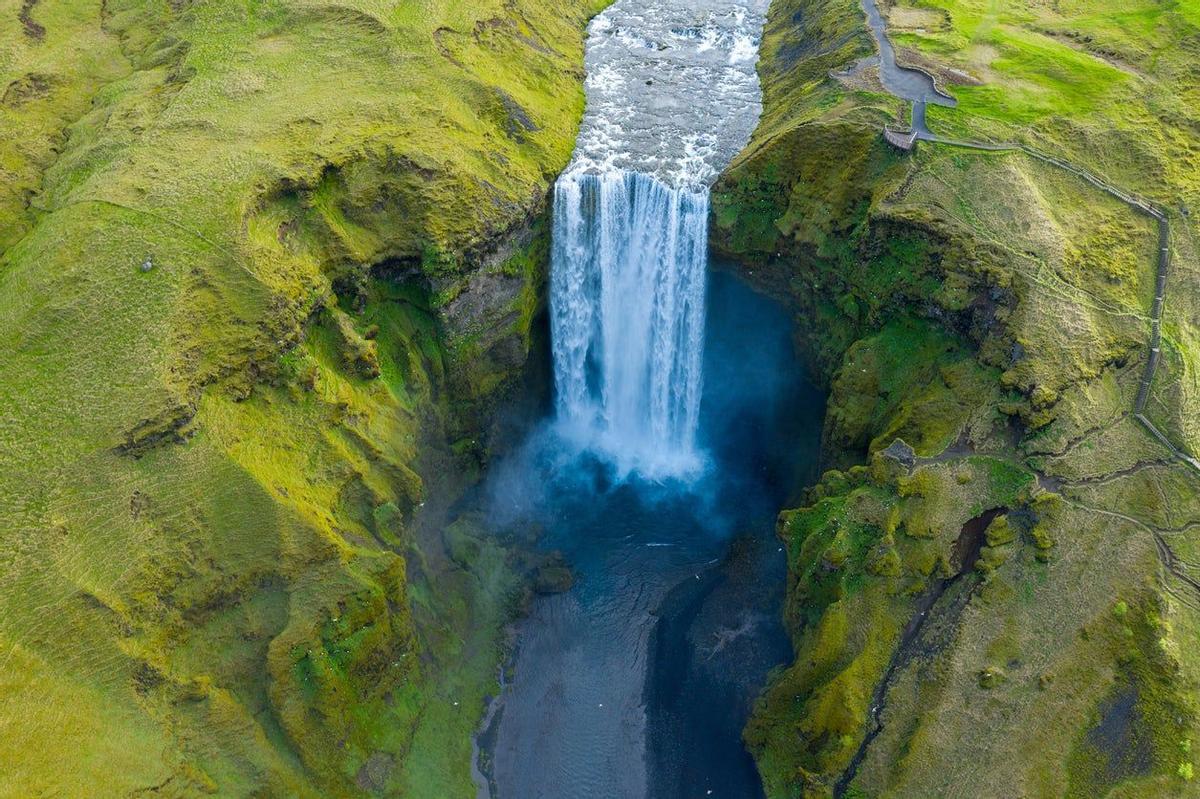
(200, 475)
(212, 552)
(955, 293)
(859, 556)
(1032, 75)
(1108, 84)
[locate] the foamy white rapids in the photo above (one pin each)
(671, 87)
(672, 96)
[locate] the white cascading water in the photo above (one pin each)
(628, 315)
(672, 96)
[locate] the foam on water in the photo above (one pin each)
(665, 72)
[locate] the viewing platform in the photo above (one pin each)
(904, 140)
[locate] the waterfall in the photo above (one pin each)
(672, 95)
(627, 317)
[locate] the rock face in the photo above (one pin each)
(553, 579)
(225, 474)
(981, 323)
(492, 318)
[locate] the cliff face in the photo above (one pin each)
(993, 591)
(267, 270)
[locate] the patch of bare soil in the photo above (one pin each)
(32, 29)
(25, 88)
(943, 75)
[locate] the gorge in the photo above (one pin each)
(633, 480)
(570, 397)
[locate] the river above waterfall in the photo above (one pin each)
(671, 87)
(637, 682)
(672, 96)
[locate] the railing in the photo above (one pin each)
(906, 141)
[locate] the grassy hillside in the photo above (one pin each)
(1113, 84)
(258, 261)
(1007, 601)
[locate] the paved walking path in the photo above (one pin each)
(920, 88)
(917, 89)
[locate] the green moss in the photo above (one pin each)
(999, 532)
(991, 677)
(218, 501)
(910, 381)
(1009, 482)
(989, 311)
(1137, 729)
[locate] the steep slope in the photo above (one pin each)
(261, 264)
(995, 590)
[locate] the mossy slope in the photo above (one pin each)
(990, 313)
(248, 253)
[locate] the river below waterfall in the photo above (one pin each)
(638, 681)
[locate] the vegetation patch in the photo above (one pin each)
(981, 321)
(230, 242)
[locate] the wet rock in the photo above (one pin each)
(902, 453)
